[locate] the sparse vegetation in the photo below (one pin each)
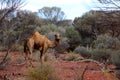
(115, 58)
(107, 42)
(20, 60)
(43, 72)
(72, 56)
(96, 34)
(83, 51)
(102, 55)
(5, 61)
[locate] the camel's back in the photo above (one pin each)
(38, 38)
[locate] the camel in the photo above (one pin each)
(41, 43)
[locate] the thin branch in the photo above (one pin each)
(4, 59)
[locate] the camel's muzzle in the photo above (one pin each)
(57, 39)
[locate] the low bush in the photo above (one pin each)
(116, 58)
(74, 38)
(83, 51)
(43, 72)
(20, 60)
(73, 56)
(102, 55)
(107, 42)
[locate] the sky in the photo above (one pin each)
(71, 8)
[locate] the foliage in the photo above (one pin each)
(43, 72)
(74, 38)
(95, 23)
(83, 51)
(21, 24)
(28, 18)
(53, 14)
(102, 55)
(116, 58)
(84, 25)
(20, 60)
(110, 4)
(9, 6)
(47, 28)
(107, 42)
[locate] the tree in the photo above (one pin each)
(53, 14)
(74, 38)
(111, 10)
(7, 21)
(86, 27)
(110, 4)
(8, 6)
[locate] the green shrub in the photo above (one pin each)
(83, 51)
(17, 47)
(116, 58)
(74, 38)
(102, 55)
(47, 28)
(20, 60)
(43, 72)
(107, 42)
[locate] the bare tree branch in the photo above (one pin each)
(8, 6)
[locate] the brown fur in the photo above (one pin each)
(41, 43)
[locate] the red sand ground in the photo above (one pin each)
(66, 70)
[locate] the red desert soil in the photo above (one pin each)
(66, 70)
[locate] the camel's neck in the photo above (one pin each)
(53, 44)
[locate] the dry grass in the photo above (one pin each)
(43, 72)
(73, 57)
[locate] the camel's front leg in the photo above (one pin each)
(26, 57)
(42, 55)
(30, 56)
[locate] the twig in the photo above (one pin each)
(82, 75)
(4, 59)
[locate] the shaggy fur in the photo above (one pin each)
(41, 43)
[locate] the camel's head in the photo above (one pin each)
(57, 37)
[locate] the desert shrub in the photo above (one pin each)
(72, 56)
(61, 30)
(47, 28)
(107, 42)
(102, 55)
(43, 72)
(116, 58)
(17, 47)
(20, 60)
(73, 36)
(83, 51)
